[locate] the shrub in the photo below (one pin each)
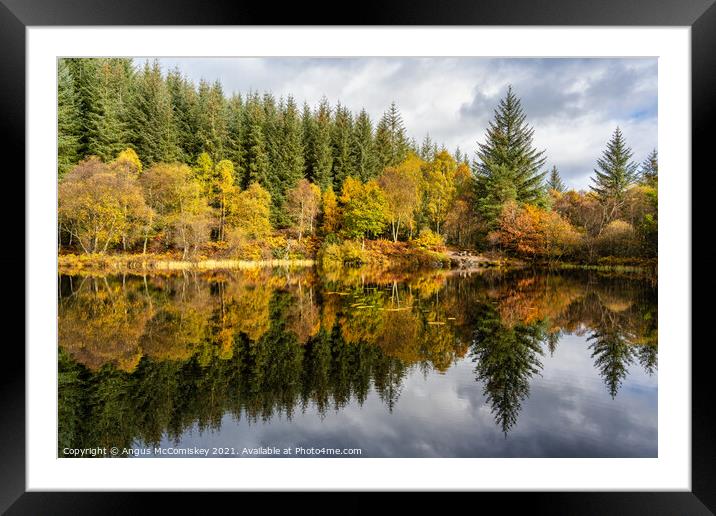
(337, 255)
(428, 239)
(618, 238)
(534, 232)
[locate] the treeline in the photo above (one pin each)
(153, 162)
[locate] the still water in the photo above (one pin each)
(522, 364)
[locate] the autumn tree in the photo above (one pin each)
(364, 209)
(401, 186)
(304, 202)
(462, 224)
(224, 194)
(250, 216)
(618, 238)
(533, 232)
(97, 206)
(331, 215)
(128, 161)
(439, 188)
(178, 199)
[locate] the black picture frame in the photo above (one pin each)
(16, 15)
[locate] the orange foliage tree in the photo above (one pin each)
(533, 232)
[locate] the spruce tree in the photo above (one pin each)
(426, 149)
(153, 130)
(362, 148)
(293, 143)
(212, 120)
(106, 116)
(649, 172)
(614, 174)
(69, 122)
(382, 144)
(391, 142)
(289, 160)
(507, 164)
(342, 129)
(185, 111)
(308, 125)
(555, 181)
(235, 135)
(322, 158)
(272, 135)
(255, 148)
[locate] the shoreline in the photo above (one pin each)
(461, 262)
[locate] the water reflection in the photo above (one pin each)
(147, 359)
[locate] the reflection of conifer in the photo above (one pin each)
(552, 341)
(506, 357)
(647, 355)
(613, 355)
(388, 379)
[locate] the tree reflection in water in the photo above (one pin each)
(146, 356)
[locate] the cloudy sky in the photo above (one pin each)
(573, 104)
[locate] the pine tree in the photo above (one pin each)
(507, 165)
(69, 122)
(555, 181)
(615, 173)
(362, 148)
(153, 130)
(649, 172)
(342, 128)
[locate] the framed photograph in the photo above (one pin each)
(432, 252)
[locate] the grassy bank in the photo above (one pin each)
(104, 264)
(613, 264)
